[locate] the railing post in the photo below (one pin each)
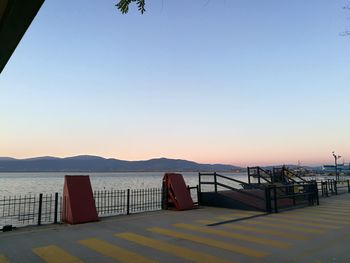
(248, 169)
(268, 199)
(199, 182)
(310, 194)
(128, 202)
(293, 193)
(317, 197)
(198, 195)
(215, 183)
(275, 198)
(40, 208)
(335, 187)
(348, 185)
(322, 189)
(56, 208)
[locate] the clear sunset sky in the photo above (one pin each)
(217, 81)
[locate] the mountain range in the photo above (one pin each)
(88, 163)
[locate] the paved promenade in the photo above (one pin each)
(311, 234)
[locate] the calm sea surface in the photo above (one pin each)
(25, 183)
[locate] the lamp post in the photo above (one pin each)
(336, 157)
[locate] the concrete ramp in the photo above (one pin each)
(246, 199)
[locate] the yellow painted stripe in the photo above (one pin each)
(267, 231)
(345, 208)
(243, 213)
(250, 213)
(338, 203)
(232, 216)
(253, 239)
(300, 222)
(335, 203)
(226, 218)
(175, 250)
(210, 242)
(325, 213)
(334, 207)
(311, 218)
(115, 252)
(259, 230)
(321, 213)
(331, 210)
(285, 226)
(332, 213)
(3, 259)
(54, 254)
(206, 222)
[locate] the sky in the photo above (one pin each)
(243, 82)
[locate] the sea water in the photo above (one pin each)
(51, 182)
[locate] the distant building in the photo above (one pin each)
(342, 168)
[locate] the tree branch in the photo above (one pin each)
(123, 5)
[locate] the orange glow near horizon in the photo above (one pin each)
(236, 154)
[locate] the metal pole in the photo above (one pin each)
(275, 198)
(128, 202)
(199, 182)
(198, 195)
(215, 183)
(349, 186)
(335, 188)
(56, 208)
(293, 193)
(268, 199)
(248, 169)
(40, 208)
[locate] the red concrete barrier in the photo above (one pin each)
(177, 194)
(78, 201)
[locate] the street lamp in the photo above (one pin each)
(336, 157)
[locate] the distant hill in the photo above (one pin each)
(88, 163)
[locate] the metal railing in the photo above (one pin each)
(225, 186)
(332, 187)
(275, 197)
(118, 202)
(30, 209)
(287, 196)
(194, 192)
(291, 175)
(41, 209)
(259, 173)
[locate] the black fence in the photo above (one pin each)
(288, 196)
(30, 209)
(47, 208)
(333, 187)
(118, 202)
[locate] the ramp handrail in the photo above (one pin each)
(259, 174)
(216, 183)
(232, 179)
(295, 175)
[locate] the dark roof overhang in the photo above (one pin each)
(15, 18)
